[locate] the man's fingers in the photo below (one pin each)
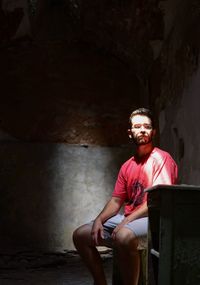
(102, 233)
(96, 235)
(113, 235)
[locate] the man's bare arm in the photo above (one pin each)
(111, 208)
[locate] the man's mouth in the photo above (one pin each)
(142, 136)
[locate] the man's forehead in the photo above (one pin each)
(140, 119)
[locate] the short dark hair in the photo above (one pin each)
(144, 112)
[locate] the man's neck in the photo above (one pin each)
(143, 150)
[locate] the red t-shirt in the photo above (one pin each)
(137, 175)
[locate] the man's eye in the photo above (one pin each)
(145, 126)
(137, 126)
(148, 127)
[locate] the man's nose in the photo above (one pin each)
(142, 129)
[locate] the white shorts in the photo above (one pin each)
(139, 227)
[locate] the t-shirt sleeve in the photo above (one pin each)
(165, 171)
(120, 186)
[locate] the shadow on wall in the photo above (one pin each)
(49, 189)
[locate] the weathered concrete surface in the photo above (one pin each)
(176, 97)
(184, 139)
(15, 21)
(53, 269)
(50, 189)
(55, 92)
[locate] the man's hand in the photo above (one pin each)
(118, 227)
(97, 231)
(139, 213)
(111, 208)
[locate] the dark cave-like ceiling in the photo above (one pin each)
(79, 71)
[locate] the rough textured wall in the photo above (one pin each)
(14, 19)
(178, 102)
(66, 94)
(129, 29)
(49, 189)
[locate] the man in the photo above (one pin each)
(148, 167)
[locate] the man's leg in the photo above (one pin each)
(90, 255)
(128, 256)
(127, 239)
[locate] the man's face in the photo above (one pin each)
(141, 130)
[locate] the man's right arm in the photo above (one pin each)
(111, 208)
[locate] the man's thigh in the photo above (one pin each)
(139, 228)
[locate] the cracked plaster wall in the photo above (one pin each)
(15, 21)
(50, 189)
(177, 101)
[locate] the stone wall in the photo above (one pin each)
(15, 21)
(176, 99)
(50, 189)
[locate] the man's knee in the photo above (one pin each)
(76, 235)
(126, 238)
(81, 234)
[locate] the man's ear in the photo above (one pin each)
(154, 132)
(130, 135)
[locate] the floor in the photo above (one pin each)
(30, 268)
